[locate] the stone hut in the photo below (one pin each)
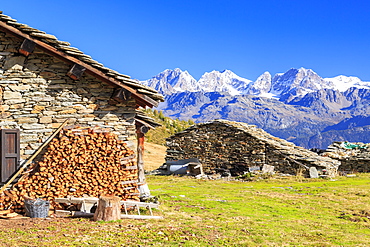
(354, 157)
(44, 81)
(236, 148)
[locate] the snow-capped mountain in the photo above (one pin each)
(298, 105)
(261, 86)
(297, 83)
(284, 86)
(225, 81)
(342, 83)
(173, 81)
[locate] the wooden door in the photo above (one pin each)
(9, 153)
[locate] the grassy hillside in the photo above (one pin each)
(169, 127)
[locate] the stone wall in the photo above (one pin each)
(354, 165)
(221, 147)
(36, 96)
(354, 157)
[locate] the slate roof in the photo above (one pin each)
(285, 148)
(65, 51)
(340, 151)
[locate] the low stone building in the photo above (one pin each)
(354, 157)
(236, 148)
(45, 81)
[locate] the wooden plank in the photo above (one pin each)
(10, 215)
(17, 217)
(128, 157)
(140, 217)
(123, 216)
(77, 200)
(2, 212)
(140, 155)
(129, 188)
(62, 213)
(129, 167)
(140, 204)
(33, 156)
(129, 182)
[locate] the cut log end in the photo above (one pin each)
(108, 209)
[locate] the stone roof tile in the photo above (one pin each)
(75, 52)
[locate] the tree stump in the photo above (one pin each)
(108, 209)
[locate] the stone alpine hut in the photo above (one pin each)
(45, 81)
(233, 147)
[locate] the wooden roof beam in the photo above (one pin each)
(76, 72)
(142, 100)
(27, 47)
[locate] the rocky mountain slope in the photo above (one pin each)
(297, 105)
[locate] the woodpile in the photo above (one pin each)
(9, 214)
(80, 162)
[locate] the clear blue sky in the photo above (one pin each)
(141, 38)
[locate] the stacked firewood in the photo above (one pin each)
(80, 162)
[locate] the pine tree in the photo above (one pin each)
(161, 115)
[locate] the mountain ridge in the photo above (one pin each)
(306, 80)
(298, 105)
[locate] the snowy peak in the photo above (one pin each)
(343, 83)
(185, 82)
(261, 86)
(297, 82)
(225, 81)
(172, 81)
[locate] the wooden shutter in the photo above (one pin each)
(9, 153)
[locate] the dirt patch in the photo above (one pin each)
(28, 223)
(361, 216)
(154, 155)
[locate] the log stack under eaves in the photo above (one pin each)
(81, 162)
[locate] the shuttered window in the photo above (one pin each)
(9, 156)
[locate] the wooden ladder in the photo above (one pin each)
(138, 205)
(88, 202)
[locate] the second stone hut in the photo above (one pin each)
(232, 147)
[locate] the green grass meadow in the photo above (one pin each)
(270, 212)
(273, 212)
